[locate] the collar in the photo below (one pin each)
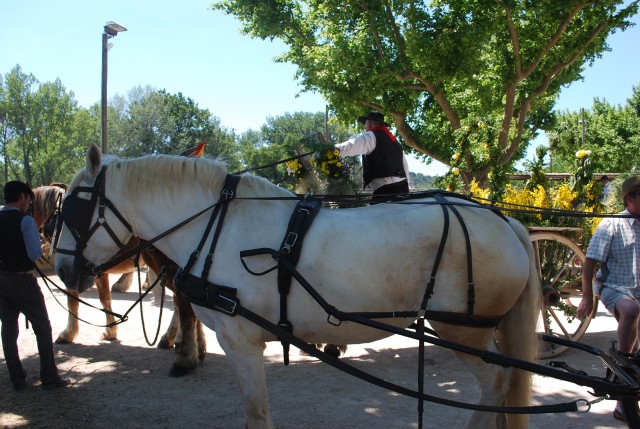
(631, 220)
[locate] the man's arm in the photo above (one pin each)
(586, 304)
(31, 238)
(364, 144)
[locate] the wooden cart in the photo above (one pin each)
(559, 259)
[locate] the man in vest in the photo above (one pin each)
(385, 169)
(19, 289)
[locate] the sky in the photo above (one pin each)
(183, 46)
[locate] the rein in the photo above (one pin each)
(273, 164)
(121, 318)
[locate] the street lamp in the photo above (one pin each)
(111, 29)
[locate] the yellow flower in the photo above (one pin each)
(467, 128)
(455, 171)
(481, 125)
(477, 191)
(456, 156)
(582, 153)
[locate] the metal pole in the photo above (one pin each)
(105, 50)
(326, 123)
(583, 125)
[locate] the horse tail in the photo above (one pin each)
(517, 334)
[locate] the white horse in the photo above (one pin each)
(375, 258)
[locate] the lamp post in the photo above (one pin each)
(111, 29)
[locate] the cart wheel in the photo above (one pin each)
(559, 262)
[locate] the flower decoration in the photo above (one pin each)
(295, 168)
(330, 164)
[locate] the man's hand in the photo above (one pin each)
(586, 307)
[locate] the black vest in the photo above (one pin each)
(384, 161)
(13, 251)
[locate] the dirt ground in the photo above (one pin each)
(124, 383)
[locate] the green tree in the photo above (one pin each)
(611, 133)
(277, 140)
(156, 122)
(38, 129)
(477, 79)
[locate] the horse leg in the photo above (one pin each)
(245, 353)
(188, 356)
(167, 341)
(71, 331)
(202, 340)
(124, 283)
(493, 380)
(104, 293)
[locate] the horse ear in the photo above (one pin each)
(94, 161)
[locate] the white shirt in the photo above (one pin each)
(364, 144)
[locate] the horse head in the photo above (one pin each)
(93, 230)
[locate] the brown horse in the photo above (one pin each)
(191, 350)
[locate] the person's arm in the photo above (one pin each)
(586, 304)
(364, 144)
(406, 169)
(31, 238)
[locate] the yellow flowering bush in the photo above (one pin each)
(477, 192)
(563, 196)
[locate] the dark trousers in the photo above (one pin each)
(20, 293)
(388, 192)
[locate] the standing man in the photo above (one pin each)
(385, 169)
(19, 289)
(607, 196)
(616, 245)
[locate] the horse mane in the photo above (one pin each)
(149, 172)
(45, 199)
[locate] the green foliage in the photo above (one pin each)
(537, 171)
(156, 122)
(611, 133)
(439, 69)
(41, 129)
(277, 140)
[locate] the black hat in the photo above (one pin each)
(373, 116)
(13, 189)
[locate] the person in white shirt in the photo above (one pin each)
(616, 246)
(385, 168)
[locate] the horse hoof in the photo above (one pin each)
(61, 340)
(332, 350)
(165, 345)
(108, 337)
(178, 371)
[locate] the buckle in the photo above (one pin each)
(290, 241)
(229, 309)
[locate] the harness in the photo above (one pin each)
(80, 227)
(222, 298)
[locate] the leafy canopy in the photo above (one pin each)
(472, 78)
